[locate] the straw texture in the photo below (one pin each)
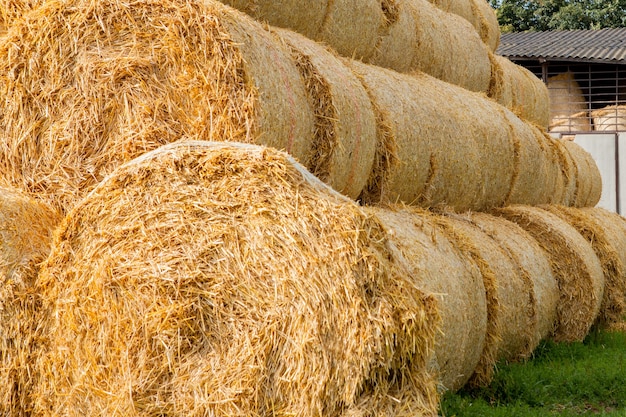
(224, 279)
(534, 268)
(588, 178)
(509, 292)
(447, 151)
(518, 89)
(574, 264)
(26, 227)
(345, 137)
(604, 231)
(439, 267)
(479, 14)
(130, 77)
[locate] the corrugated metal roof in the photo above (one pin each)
(602, 45)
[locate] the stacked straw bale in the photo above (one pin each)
(518, 89)
(129, 78)
(403, 35)
(439, 267)
(574, 264)
(480, 14)
(534, 268)
(351, 27)
(605, 232)
(223, 279)
(511, 305)
(345, 138)
(447, 152)
(443, 45)
(588, 189)
(26, 227)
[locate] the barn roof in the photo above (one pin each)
(602, 45)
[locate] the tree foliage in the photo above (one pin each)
(539, 15)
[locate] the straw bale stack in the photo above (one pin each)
(129, 78)
(518, 89)
(605, 232)
(511, 315)
(345, 138)
(448, 152)
(439, 267)
(443, 45)
(26, 227)
(574, 264)
(480, 15)
(588, 178)
(223, 279)
(534, 266)
(351, 27)
(286, 14)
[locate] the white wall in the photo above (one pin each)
(606, 150)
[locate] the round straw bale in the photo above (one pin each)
(286, 14)
(26, 227)
(487, 23)
(223, 279)
(345, 136)
(573, 123)
(479, 14)
(440, 268)
(518, 89)
(602, 229)
(534, 269)
(352, 27)
(588, 178)
(574, 264)
(448, 48)
(130, 77)
(448, 151)
(566, 96)
(610, 118)
(510, 296)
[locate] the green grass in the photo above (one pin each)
(564, 379)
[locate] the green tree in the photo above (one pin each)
(535, 15)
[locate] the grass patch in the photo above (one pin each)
(561, 379)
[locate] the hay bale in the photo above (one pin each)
(570, 124)
(448, 152)
(533, 174)
(535, 271)
(518, 89)
(440, 268)
(130, 77)
(440, 44)
(511, 316)
(26, 227)
(605, 232)
(448, 48)
(574, 264)
(345, 136)
(569, 111)
(588, 178)
(353, 27)
(286, 14)
(479, 14)
(610, 118)
(223, 279)
(487, 23)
